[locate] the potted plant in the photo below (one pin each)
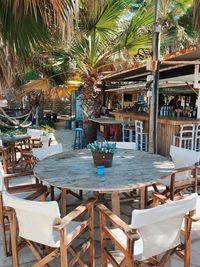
(102, 153)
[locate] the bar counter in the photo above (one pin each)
(167, 127)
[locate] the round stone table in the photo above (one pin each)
(75, 171)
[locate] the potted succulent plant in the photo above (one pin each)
(102, 153)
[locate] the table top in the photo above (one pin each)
(16, 138)
(75, 170)
(106, 121)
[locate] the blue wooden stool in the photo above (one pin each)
(80, 138)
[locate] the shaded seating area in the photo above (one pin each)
(63, 164)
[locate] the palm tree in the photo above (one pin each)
(105, 31)
(196, 16)
(27, 25)
(175, 20)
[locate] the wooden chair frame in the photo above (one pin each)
(37, 190)
(106, 216)
(8, 159)
(177, 187)
(65, 240)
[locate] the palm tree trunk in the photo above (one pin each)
(91, 97)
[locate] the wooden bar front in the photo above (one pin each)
(167, 127)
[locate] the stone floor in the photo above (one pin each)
(66, 137)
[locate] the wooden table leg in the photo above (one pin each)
(13, 156)
(107, 132)
(117, 130)
(142, 197)
(116, 203)
(63, 202)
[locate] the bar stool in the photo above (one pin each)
(80, 138)
(128, 130)
(141, 138)
(197, 137)
(185, 139)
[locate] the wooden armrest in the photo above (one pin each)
(184, 169)
(17, 174)
(25, 188)
(35, 139)
(62, 223)
(194, 218)
(117, 222)
(159, 196)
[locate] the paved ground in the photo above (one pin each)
(66, 137)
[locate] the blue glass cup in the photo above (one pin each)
(12, 135)
(100, 170)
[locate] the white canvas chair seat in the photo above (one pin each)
(45, 140)
(44, 152)
(38, 221)
(159, 228)
(35, 132)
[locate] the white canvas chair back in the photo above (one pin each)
(160, 227)
(1, 178)
(35, 132)
(124, 145)
(183, 157)
(44, 152)
(45, 140)
(35, 219)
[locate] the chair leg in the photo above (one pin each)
(13, 234)
(52, 192)
(91, 233)
(63, 249)
(4, 240)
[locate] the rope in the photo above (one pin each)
(19, 117)
(15, 127)
(16, 124)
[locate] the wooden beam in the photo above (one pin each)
(191, 62)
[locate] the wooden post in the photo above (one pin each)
(197, 86)
(155, 86)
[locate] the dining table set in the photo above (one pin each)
(75, 170)
(14, 148)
